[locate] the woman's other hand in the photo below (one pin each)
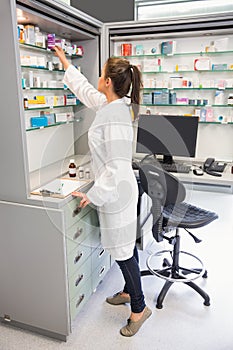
(84, 200)
(62, 57)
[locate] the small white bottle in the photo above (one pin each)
(81, 172)
(39, 40)
(87, 174)
(31, 80)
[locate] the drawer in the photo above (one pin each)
(97, 257)
(80, 299)
(71, 214)
(99, 273)
(79, 278)
(78, 255)
(81, 229)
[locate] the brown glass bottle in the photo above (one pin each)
(72, 168)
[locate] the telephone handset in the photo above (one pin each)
(214, 168)
(208, 163)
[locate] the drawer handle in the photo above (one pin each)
(76, 211)
(78, 233)
(80, 300)
(102, 271)
(78, 257)
(101, 253)
(78, 280)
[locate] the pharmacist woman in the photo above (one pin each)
(115, 190)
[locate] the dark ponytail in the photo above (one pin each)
(136, 87)
(125, 76)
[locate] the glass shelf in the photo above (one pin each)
(220, 123)
(183, 105)
(44, 49)
(47, 107)
(50, 126)
(44, 69)
(180, 54)
(188, 71)
(187, 88)
(49, 89)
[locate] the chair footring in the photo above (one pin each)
(173, 272)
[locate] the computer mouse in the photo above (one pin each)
(198, 171)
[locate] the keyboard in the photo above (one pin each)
(176, 167)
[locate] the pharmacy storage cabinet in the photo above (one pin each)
(51, 259)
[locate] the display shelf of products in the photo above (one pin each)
(48, 89)
(220, 123)
(183, 105)
(46, 50)
(43, 68)
(38, 61)
(51, 125)
(187, 88)
(201, 53)
(188, 71)
(47, 107)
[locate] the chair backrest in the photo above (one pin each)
(164, 189)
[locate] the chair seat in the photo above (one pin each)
(187, 216)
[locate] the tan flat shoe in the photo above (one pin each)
(118, 299)
(133, 327)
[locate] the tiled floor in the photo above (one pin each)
(183, 323)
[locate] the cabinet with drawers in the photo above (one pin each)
(87, 261)
(55, 264)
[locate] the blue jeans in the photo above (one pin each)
(131, 272)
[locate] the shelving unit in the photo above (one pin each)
(166, 73)
(56, 254)
(196, 82)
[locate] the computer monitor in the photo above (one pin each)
(167, 135)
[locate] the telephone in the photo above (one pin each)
(213, 167)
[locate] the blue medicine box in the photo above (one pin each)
(37, 122)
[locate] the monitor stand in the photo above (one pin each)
(167, 159)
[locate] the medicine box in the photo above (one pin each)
(64, 117)
(160, 97)
(168, 47)
(38, 122)
(152, 65)
(202, 63)
(147, 98)
(221, 66)
(50, 117)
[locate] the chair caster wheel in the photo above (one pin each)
(159, 306)
(205, 275)
(166, 263)
(207, 303)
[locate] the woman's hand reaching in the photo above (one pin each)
(84, 200)
(62, 57)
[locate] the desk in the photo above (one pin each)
(206, 182)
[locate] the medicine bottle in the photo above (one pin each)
(72, 168)
(81, 172)
(25, 102)
(39, 38)
(87, 174)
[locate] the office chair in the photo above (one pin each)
(170, 213)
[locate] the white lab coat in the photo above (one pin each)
(115, 190)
